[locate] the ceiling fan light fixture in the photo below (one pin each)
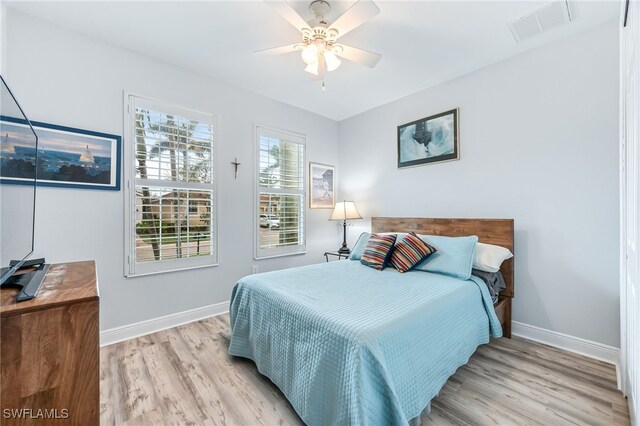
(318, 48)
(331, 60)
(312, 68)
(310, 54)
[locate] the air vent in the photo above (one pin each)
(541, 20)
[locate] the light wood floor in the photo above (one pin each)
(185, 376)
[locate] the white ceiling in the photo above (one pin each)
(423, 43)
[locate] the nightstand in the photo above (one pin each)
(336, 254)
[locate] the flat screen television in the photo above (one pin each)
(18, 173)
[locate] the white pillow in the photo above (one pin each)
(489, 257)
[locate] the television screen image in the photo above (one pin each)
(17, 204)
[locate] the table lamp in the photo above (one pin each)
(344, 211)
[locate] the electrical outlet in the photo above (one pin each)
(254, 269)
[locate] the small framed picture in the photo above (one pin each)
(322, 186)
(429, 140)
(67, 157)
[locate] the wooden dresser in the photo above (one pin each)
(49, 350)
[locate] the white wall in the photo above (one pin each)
(3, 36)
(68, 79)
(539, 144)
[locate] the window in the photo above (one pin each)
(281, 193)
(171, 210)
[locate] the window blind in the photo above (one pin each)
(281, 194)
(172, 190)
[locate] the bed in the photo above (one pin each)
(347, 344)
(489, 231)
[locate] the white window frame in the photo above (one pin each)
(131, 268)
(272, 252)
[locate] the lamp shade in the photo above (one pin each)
(310, 54)
(331, 60)
(312, 68)
(345, 210)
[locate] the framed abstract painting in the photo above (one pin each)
(429, 140)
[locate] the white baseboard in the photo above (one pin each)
(633, 410)
(131, 331)
(569, 343)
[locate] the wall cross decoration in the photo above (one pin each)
(236, 164)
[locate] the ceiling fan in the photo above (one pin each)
(319, 48)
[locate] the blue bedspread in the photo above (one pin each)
(347, 344)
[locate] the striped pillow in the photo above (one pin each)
(410, 251)
(378, 250)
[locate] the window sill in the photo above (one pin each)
(189, 268)
(279, 255)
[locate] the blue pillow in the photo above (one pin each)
(361, 244)
(454, 256)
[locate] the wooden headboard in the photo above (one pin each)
(489, 231)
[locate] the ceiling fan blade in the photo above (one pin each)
(279, 50)
(359, 56)
(289, 13)
(356, 15)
